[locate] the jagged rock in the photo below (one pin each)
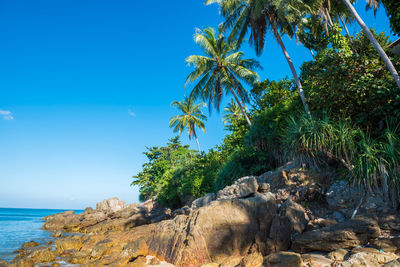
(296, 214)
(338, 255)
(110, 205)
(284, 259)
(214, 232)
(153, 261)
(182, 211)
(89, 210)
(68, 243)
(279, 234)
(346, 235)
(92, 219)
(4, 263)
(38, 254)
(30, 244)
(319, 223)
(57, 233)
(316, 259)
(21, 263)
(393, 263)
(243, 187)
(252, 260)
(61, 220)
(264, 188)
(367, 257)
(203, 201)
(387, 244)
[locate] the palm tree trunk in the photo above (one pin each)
(197, 141)
(241, 107)
(374, 42)
(347, 30)
(289, 60)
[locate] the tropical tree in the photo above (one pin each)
(191, 118)
(278, 16)
(231, 112)
(375, 43)
(221, 71)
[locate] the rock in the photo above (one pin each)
(367, 257)
(4, 263)
(279, 234)
(316, 259)
(393, 263)
(135, 249)
(110, 205)
(389, 244)
(345, 235)
(182, 211)
(252, 260)
(151, 260)
(91, 219)
(319, 223)
(338, 216)
(284, 259)
(139, 262)
(30, 244)
(264, 188)
(243, 187)
(61, 220)
(342, 197)
(21, 263)
(57, 233)
(41, 254)
(296, 214)
(213, 233)
(67, 243)
(338, 255)
(203, 201)
(89, 210)
(210, 265)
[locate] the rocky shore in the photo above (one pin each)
(289, 217)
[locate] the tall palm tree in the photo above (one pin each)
(375, 43)
(231, 112)
(220, 71)
(191, 118)
(260, 16)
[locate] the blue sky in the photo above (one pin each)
(86, 85)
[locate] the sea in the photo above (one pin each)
(18, 226)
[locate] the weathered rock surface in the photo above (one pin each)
(110, 205)
(284, 259)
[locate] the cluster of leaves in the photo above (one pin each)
(350, 81)
(176, 174)
(393, 11)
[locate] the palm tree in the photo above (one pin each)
(231, 112)
(260, 16)
(190, 118)
(220, 71)
(375, 43)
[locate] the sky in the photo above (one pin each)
(85, 86)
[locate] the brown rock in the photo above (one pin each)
(345, 235)
(338, 255)
(21, 263)
(30, 244)
(59, 221)
(394, 263)
(4, 263)
(252, 260)
(41, 254)
(68, 243)
(210, 265)
(153, 261)
(387, 244)
(284, 259)
(367, 257)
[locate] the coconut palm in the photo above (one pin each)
(375, 43)
(191, 118)
(231, 112)
(221, 71)
(260, 16)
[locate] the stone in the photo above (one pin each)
(153, 261)
(61, 221)
(30, 244)
(316, 259)
(338, 216)
(319, 223)
(203, 201)
(4, 263)
(89, 210)
(210, 265)
(264, 188)
(252, 260)
(57, 233)
(67, 243)
(135, 249)
(296, 214)
(242, 188)
(367, 257)
(41, 254)
(387, 244)
(21, 263)
(342, 197)
(110, 205)
(345, 235)
(338, 255)
(284, 259)
(393, 263)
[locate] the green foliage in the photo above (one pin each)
(352, 85)
(393, 11)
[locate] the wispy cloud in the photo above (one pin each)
(131, 113)
(6, 115)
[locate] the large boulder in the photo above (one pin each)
(212, 233)
(110, 205)
(367, 257)
(284, 259)
(345, 235)
(59, 221)
(242, 187)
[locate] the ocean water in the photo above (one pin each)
(18, 226)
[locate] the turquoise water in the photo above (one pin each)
(18, 226)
